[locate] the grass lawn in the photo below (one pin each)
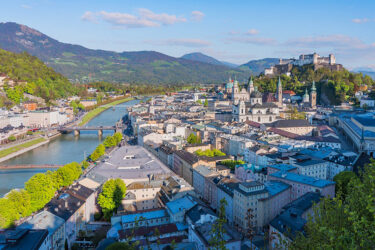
(91, 114)
(8, 151)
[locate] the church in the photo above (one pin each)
(248, 105)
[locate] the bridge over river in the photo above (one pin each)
(100, 129)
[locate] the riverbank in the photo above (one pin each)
(29, 166)
(11, 152)
(95, 112)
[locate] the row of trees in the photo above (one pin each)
(232, 163)
(109, 141)
(39, 190)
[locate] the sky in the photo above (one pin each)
(234, 31)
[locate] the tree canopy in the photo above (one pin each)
(109, 199)
(209, 152)
(344, 223)
(193, 139)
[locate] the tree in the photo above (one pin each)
(209, 153)
(11, 138)
(343, 224)
(98, 152)
(120, 246)
(20, 202)
(205, 103)
(40, 188)
(118, 137)
(68, 173)
(218, 231)
(109, 142)
(85, 164)
(342, 183)
(193, 139)
(232, 163)
(113, 192)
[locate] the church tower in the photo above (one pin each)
(279, 93)
(313, 96)
(235, 89)
(250, 85)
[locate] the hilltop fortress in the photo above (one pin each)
(286, 65)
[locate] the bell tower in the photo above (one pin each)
(313, 96)
(279, 93)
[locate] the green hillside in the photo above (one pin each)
(334, 86)
(41, 80)
(87, 65)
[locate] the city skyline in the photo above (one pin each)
(229, 31)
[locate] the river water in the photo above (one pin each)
(61, 150)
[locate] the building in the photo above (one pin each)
(360, 129)
(313, 96)
(178, 208)
(33, 239)
(293, 219)
(200, 179)
(76, 206)
(299, 127)
(30, 105)
(225, 190)
(48, 221)
(303, 184)
(261, 201)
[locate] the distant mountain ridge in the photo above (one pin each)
(257, 66)
(82, 64)
(200, 57)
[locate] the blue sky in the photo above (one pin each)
(233, 31)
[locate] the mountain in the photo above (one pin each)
(41, 80)
(200, 57)
(257, 66)
(365, 71)
(82, 64)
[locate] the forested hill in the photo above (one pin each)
(334, 86)
(82, 64)
(42, 80)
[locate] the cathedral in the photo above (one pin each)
(248, 105)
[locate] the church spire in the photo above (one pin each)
(279, 93)
(313, 88)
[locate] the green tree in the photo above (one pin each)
(20, 201)
(205, 103)
(120, 246)
(218, 231)
(118, 137)
(344, 224)
(113, 192)
(109, 141)
(342, 183)
(232, 163)
(193, 139)
(85, 164)
(41, 190)
(11, 138)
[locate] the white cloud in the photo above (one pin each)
(197, 15)
(162, 18)
(252, 32)
(89, 16)
(185, 42)
(360, 20)
(126, 20)
(145, 18)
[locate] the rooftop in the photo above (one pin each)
(181, 204)
(303, 179)
(131, 162)
(292, 217)
(44, 220)
(154, 214)
(22, 238)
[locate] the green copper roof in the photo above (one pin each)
(313, 88)
(279, 83)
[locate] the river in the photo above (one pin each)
(61, 150)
